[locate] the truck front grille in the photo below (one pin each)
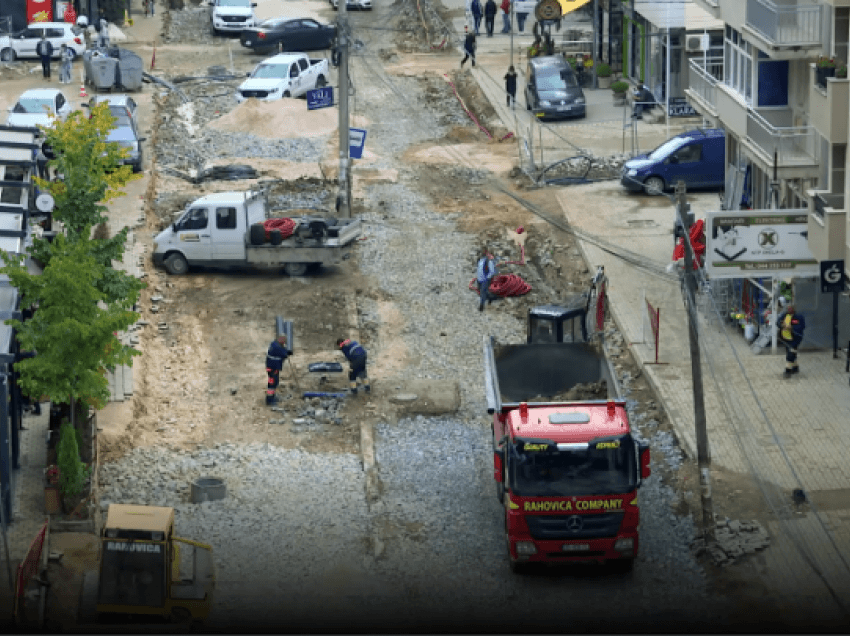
(259, 94)
(566, 527)
(233, 18)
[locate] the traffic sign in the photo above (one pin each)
(356, 141)
(320, 98)
(831, 276)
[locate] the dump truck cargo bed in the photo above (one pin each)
(545, 372)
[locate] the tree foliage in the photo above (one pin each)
(74, 329)
(89, 165)
(72, 471)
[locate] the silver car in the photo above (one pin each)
(126, 130)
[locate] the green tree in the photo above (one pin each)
(90, 176)
(72, 471)
(89, 165)
(74, 329)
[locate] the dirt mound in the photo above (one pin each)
(281, 119)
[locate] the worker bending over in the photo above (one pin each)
(356, 356)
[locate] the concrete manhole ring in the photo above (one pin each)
(207, 489)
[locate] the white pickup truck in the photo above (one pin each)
(231, 16)
(225, 230)
(284, 75)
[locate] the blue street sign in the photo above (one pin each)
(356, 141)
(320, 98)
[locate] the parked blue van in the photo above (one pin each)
(697, 157)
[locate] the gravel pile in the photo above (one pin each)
(275, 498)
(183, 145)
(188, 26)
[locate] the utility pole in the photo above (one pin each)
(596, 28)
(343, 198)
(703, 454)
(512, 32)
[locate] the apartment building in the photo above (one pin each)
(783, 122)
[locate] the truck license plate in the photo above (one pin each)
(575, 547)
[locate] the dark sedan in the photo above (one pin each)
(289, 35)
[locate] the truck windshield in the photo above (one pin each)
(132, 574)
(571, 473)
(271, 71)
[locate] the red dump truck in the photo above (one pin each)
(566, 465)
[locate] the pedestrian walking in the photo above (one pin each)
(477, 14)
(791, 327)
(506, 16)
(67, 57)
(510, 86)
(103, 33)
(468, 48)
(44, 49)
(356, 356)
(484, 277)
(275, 358)
(490, 17)
(521, 12)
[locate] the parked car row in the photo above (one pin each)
(21, 44)
(37, 107)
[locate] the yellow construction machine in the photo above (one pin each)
(140, 566)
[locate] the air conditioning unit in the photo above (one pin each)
(697, 43)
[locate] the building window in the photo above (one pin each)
(738, 58)
(839, 159)
(842, 33)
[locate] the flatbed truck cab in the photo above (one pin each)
(567, 471)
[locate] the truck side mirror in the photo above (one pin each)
(174, 227)
(498, 465)
(643, 453)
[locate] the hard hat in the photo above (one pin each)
(82, 21)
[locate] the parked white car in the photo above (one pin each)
(23, 43)
(231, 16)
(354, 5)
(284, 75)
(35, 107)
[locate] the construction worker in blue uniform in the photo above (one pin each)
(486, 272)
(356, 356)
(275, 358)
(791, 327)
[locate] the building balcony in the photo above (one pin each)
(773, 142)
(711, 7)
(827, 225)
(830, 102)
(704, 74)
(782, 28)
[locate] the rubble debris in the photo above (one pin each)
(733, 539)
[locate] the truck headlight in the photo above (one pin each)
(632, 173)
(579, 100)
(625, 545)
(525, 548)
(545, 102)
(273, 91)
